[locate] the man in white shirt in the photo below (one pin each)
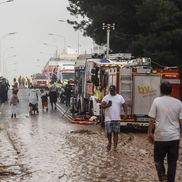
(33, 100)
(111, 104)
(166, 118)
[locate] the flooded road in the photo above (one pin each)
(48, 148)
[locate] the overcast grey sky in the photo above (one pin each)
(33, 20)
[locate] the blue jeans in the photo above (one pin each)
(161, 149)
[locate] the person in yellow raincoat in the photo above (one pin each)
(98, 94)
(58, 84)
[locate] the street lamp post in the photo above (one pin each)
(78, 42)
(52, 46)
(5, 51)
(7, 59)
(3, 57)
(78, 36)
(1, 39)
(50, 54)
(108, 27)
(64, 49)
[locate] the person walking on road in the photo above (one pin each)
(33, 101)
(15, 83)
(166, 118)
(15, 86)
(13, 104)
(111, 104)
(19, 81)
(44, 99)
(68, 91)
(53, 95)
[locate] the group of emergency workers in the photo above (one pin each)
(64, 90)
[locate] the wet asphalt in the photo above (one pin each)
(48, 148)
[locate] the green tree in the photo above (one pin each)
(143, 27)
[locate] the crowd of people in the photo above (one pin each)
(54, 91)
(25, 82)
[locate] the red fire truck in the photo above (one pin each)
(39, 80)
(135, 80)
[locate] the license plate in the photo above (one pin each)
(143, 119)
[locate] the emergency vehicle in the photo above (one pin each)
(39, 80)
(51, 69)
(66, 71)
(173, 75)
(134, 79)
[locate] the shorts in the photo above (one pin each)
(34, 106)
(112, 126)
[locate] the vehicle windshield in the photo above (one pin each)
(68, 76)
(41, 77)
(68, 64)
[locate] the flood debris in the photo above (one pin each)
(7, 173)
(82, 132)
(13, 143)
(7, 170)
(62, 176)
(129, 139)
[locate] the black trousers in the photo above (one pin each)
(161, 150)
(67, 100)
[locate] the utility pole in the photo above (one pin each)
(108, 27)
